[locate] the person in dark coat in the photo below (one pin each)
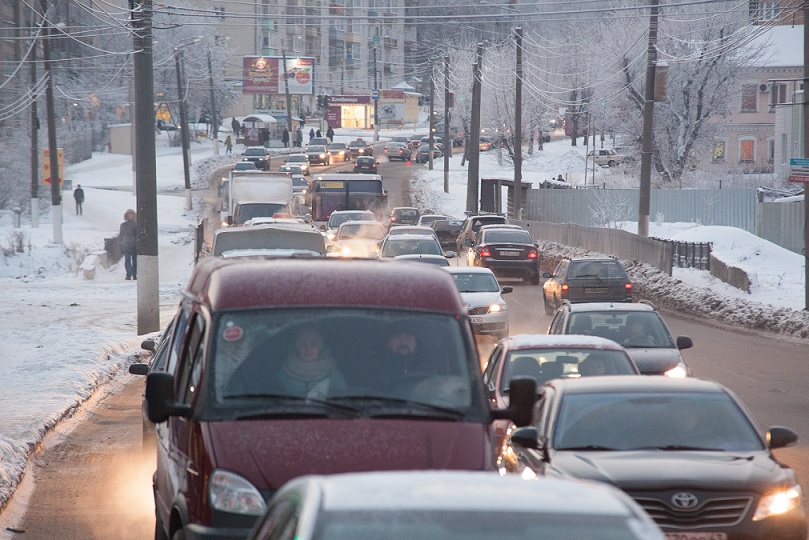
(299, 138)
(318, 133)
(78, 194)
(235, 126)
(128, 235)
(285, 138)
(311, 134)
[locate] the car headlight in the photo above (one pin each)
(345, 251)
(678, 372)
(778, 502)
(230, 492)
(322, 156)
(497, 308)
(331, 235)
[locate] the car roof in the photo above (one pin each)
(295, 155)
(590, 258)
(465, 490)
(633, 383)
(363, 223)
(501, 226)
(535, 341)
(413, 237)
(357, 212)
(244, 283)
(610, 306)
(404, 208)
(411, 256)
(415, 228)
(468, 270)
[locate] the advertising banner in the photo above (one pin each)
(46, 165)
(264, 75)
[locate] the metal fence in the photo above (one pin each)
(689, 254)
(781, 223)
(602, 207)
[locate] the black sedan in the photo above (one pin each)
(360, 147)
(365, 164)
(586, 279)
(318, 154)
(259, 156)
(508, 250)
(686, 450)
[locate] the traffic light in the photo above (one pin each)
(325, 102)
(319, 101)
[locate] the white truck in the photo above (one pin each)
(251, 194)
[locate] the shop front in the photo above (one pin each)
(350, 112)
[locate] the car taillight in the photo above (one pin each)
(628, 287)
(532, 253)
(485, 251)
(565, 290)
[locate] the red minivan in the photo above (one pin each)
(302, 366)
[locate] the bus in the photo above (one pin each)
(341, 191)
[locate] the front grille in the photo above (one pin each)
(710, 512)
(479, 310)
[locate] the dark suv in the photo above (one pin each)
(360, 147)
(447, 231)
(471, 226)
(638, 327)
(507, 250)
(586, 279)
(259, 156)
(404, 215)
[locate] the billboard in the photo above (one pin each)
(265, 75)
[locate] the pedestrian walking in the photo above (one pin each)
(299, 138)
(228, 145)
(285, 138)
(318, 133)
(234, 124)
(311, 134)
(330, 134)
(127, 236)
(78, 194)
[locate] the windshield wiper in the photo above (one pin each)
(385, 400)
(299, 399)
(588, 276)
(590, 447)
(679, 447)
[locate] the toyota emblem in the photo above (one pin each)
(684, 500)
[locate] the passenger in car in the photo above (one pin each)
(309, 369)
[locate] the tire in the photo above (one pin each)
(611, 163)
(534, 279)
(548, 309)
(179, 534)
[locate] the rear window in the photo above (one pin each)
(336, 219)
(394, 246)
(370, 230)
(477, 223)
(408, 214)
(508, 236)
(601, 269)
(447, 225)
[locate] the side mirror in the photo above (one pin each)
(779, 437)
(159, 395)
(139, 368)
(148, 344)
(506, 289)
(449, 254)
(522, 394)
(547, 275)
(525, 437)
(684, 342)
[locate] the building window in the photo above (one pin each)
(220, 40)
(220, 12)
(749, 98)
(770, 150)
(718, 151)
(759, 10)
(779, 94)
(747, 151)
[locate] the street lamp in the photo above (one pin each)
(178, 64)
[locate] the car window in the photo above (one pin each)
(190, 366)
(556, 324)
(317, 148)
(508, 236)
(659, 420)
(177, 340)
(480, 222)
(492, 367)
(475, 282)
(603, 269)
(548, 363)
(630, 329)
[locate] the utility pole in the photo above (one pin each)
(447, 142)
(376, 92)
(34, 140)
(288, 99)
(212, 116)
(805, 154)
(145, 169)
(518, 129)
(56, 188)
(647, 146)
(178, 61)
(473, 152)
(432, 122)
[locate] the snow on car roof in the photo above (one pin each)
(521, 341)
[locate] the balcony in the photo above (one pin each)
(391, 43)
(353, 37)
(336, 36)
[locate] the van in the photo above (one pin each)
(231, 428)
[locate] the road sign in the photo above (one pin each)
(46, 165)
(375, 95)
(799, 170)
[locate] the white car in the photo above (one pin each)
(358, 239)
(483, 296)
(299, 160)
(606, 157)
(338, 217)
(447, 505)
(404, 244)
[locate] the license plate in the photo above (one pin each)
(697, 536)
(476, 320)
(596, 290)
(510, 253)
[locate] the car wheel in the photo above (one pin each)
(535, 279)
(548, 308)
(179, 535)
(610, 163)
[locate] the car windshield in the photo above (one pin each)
(654, 420)
(336, 219)
(372, 231)
(508, 236)
(603, 269)
(296, 159)
(546, 363)
(255, 152)
(317, 148)
(255, 352)
(337, 146)
(630, 329)
(399, 245)
(475, 282)
(444, 524)
(356, 144)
